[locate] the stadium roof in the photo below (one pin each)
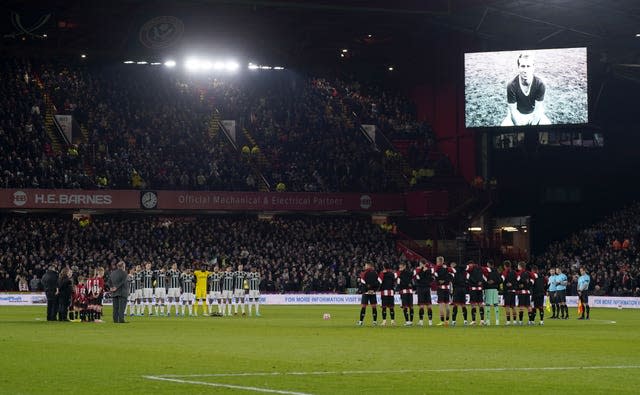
(290, 31)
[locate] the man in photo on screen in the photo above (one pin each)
(525, 96)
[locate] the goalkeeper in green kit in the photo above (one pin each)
(491, 298)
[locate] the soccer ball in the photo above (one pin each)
(326, 316)
(619, 307)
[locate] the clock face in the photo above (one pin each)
(149, 199)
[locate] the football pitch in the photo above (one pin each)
(292, 350)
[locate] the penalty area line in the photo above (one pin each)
(237, 387)
(357, 372)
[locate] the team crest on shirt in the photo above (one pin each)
(161, 32)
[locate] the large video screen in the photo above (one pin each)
(528, 87)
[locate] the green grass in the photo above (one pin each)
(42, 357)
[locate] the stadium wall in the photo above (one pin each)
(29, 299)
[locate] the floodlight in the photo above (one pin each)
(192, 64)
(170, 63)
(232, 66)
(128, 62)
(141, 62)
(253, 66)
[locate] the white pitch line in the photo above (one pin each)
(237, 387)
(356, 372)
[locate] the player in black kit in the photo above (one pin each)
(537, 293)
(459, 293)
(387, 284)
(443, 280)
(369, 284)
(423, 276)
(405, 286)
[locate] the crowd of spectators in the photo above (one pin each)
(293, 254)
(609, 252)
(150, 128)
(27, 158)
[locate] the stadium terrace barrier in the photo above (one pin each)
(27, 299)
(198, 200)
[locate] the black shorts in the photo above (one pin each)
(538, 301)
(424, 296)
(443, 296)
(459, 296)
(509, 299)
(524, 300)
(561, 296)
(387, 301)
(476, 297)
(583, 296)
(369, 299)
(407, 300)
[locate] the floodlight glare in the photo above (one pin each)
(232, 66)
(218, 66)
(192, 64)
(253, 66)
(206, 65)
(170, 63)
(129, 62)
(345, 50)
(141, 62)
(278, 68)
(155, 63)
(266, 67)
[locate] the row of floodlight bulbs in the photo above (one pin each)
(195, 64)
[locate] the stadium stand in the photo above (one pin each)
(152, 129)
(294, 254)
(608, 249)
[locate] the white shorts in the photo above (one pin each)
(174, 293)
(227, 294)
(132, 297)
(160, 293)
(239, 293)
(138, 294)
(254, 294)
(147, 293)
(215, 295)
(188, 297)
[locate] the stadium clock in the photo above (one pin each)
(149, 199)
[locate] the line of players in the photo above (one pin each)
(453, 282)
(158, 289)
(86, 300)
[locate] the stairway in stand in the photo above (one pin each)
(214, 125)
(50, 127)
(262, 162)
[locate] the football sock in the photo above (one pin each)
(375, 314)
(405, 311)
(464, 312)
(553, 309)
(473, 313)
(392, 313)
(362, 311)
(481, 313)
(541, 314)
(487, 312)
(421, 313)
(447, 317)
(384, 313)
(454, 314)
(587, 309)
(497, 311)
(411, 314)
(520, 315)
(429, 313)
(508, 316)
